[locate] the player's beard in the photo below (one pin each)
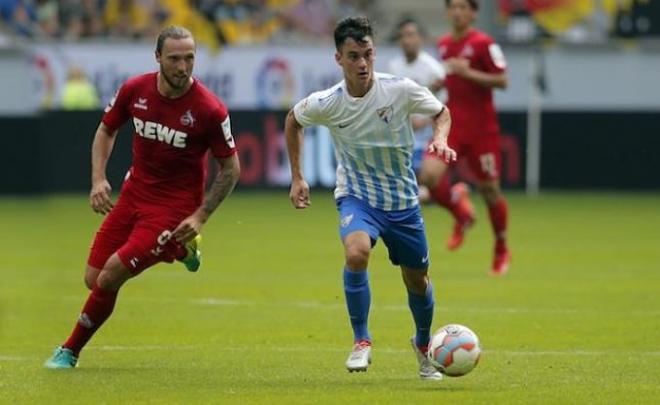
(173, 82)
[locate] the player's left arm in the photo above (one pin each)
(493, 74)
(222, 186)
(484, 79)
(441, 127)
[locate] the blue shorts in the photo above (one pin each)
(402, 231)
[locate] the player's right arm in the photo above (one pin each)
(99, 196)
(299, 193)
(305, 113)
(116, 114)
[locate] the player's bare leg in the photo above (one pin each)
(421, 302)
(357, 246)
(498, 212)
(97, 309)
(91, 274)
(455, 198)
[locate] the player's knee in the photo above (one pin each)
(416, 281)
(89, 281)
(429, 178)
(357, 256)
(91, 274)
(490, 192)
(113, 275)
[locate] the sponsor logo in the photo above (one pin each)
(425, 259)
(85, 322)
(385, 113)
(346, 221)
(275, 83)
(497, 56)
(226, 131)
(187, 119)
(343, 125)
(141, 104)
(159, 132)
(134, 262)
(112, 102)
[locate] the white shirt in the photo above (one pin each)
(373, 137)
(424, 70)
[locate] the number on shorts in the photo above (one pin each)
(488, 164)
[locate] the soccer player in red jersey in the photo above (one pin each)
(162, 206)
(475, 65)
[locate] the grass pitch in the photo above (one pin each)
(577, 320)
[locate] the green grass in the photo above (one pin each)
(577, 320)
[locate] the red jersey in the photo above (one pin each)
(471, 105)
(170, 138)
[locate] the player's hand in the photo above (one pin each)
(440, 148)
(187, 229)
(299, 194)
(99, 197)
(457, 66)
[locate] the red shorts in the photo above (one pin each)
(481, 152)
(138, 232)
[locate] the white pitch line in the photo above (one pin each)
(308, 349)
(12, 358)
(318, 305)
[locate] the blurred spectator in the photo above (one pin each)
(133, 18)
(48, 18)
(78, 92)
(213, 22)
(245, 22)
(20, 17)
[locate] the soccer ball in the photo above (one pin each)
(454, 350)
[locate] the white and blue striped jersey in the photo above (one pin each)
(373, 137)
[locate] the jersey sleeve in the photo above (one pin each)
(117, 111)
(220, 136)
(308, 111)
(421, 100)
(493, 58)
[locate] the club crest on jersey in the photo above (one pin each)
(141, 104)
(187, 119)
(385, 113)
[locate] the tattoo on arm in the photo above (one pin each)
(222, 186)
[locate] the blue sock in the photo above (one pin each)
(421, 307)
(358, 300)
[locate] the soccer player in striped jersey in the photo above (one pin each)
(368, 115)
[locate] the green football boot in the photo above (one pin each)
(62, 359)
(193, 259)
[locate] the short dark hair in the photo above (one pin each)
(357, 28)
(474, 4)
(174, 32)
(409, 20)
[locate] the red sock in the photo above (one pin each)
(442, 194)
(97, 309)
(498, 218)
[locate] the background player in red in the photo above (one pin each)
(475, 66)
(161, 207)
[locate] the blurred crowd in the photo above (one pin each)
(214, 22)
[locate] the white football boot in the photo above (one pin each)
(360, 357)
(426, 369)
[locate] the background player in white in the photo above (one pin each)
(368, 115)
(422, 68)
